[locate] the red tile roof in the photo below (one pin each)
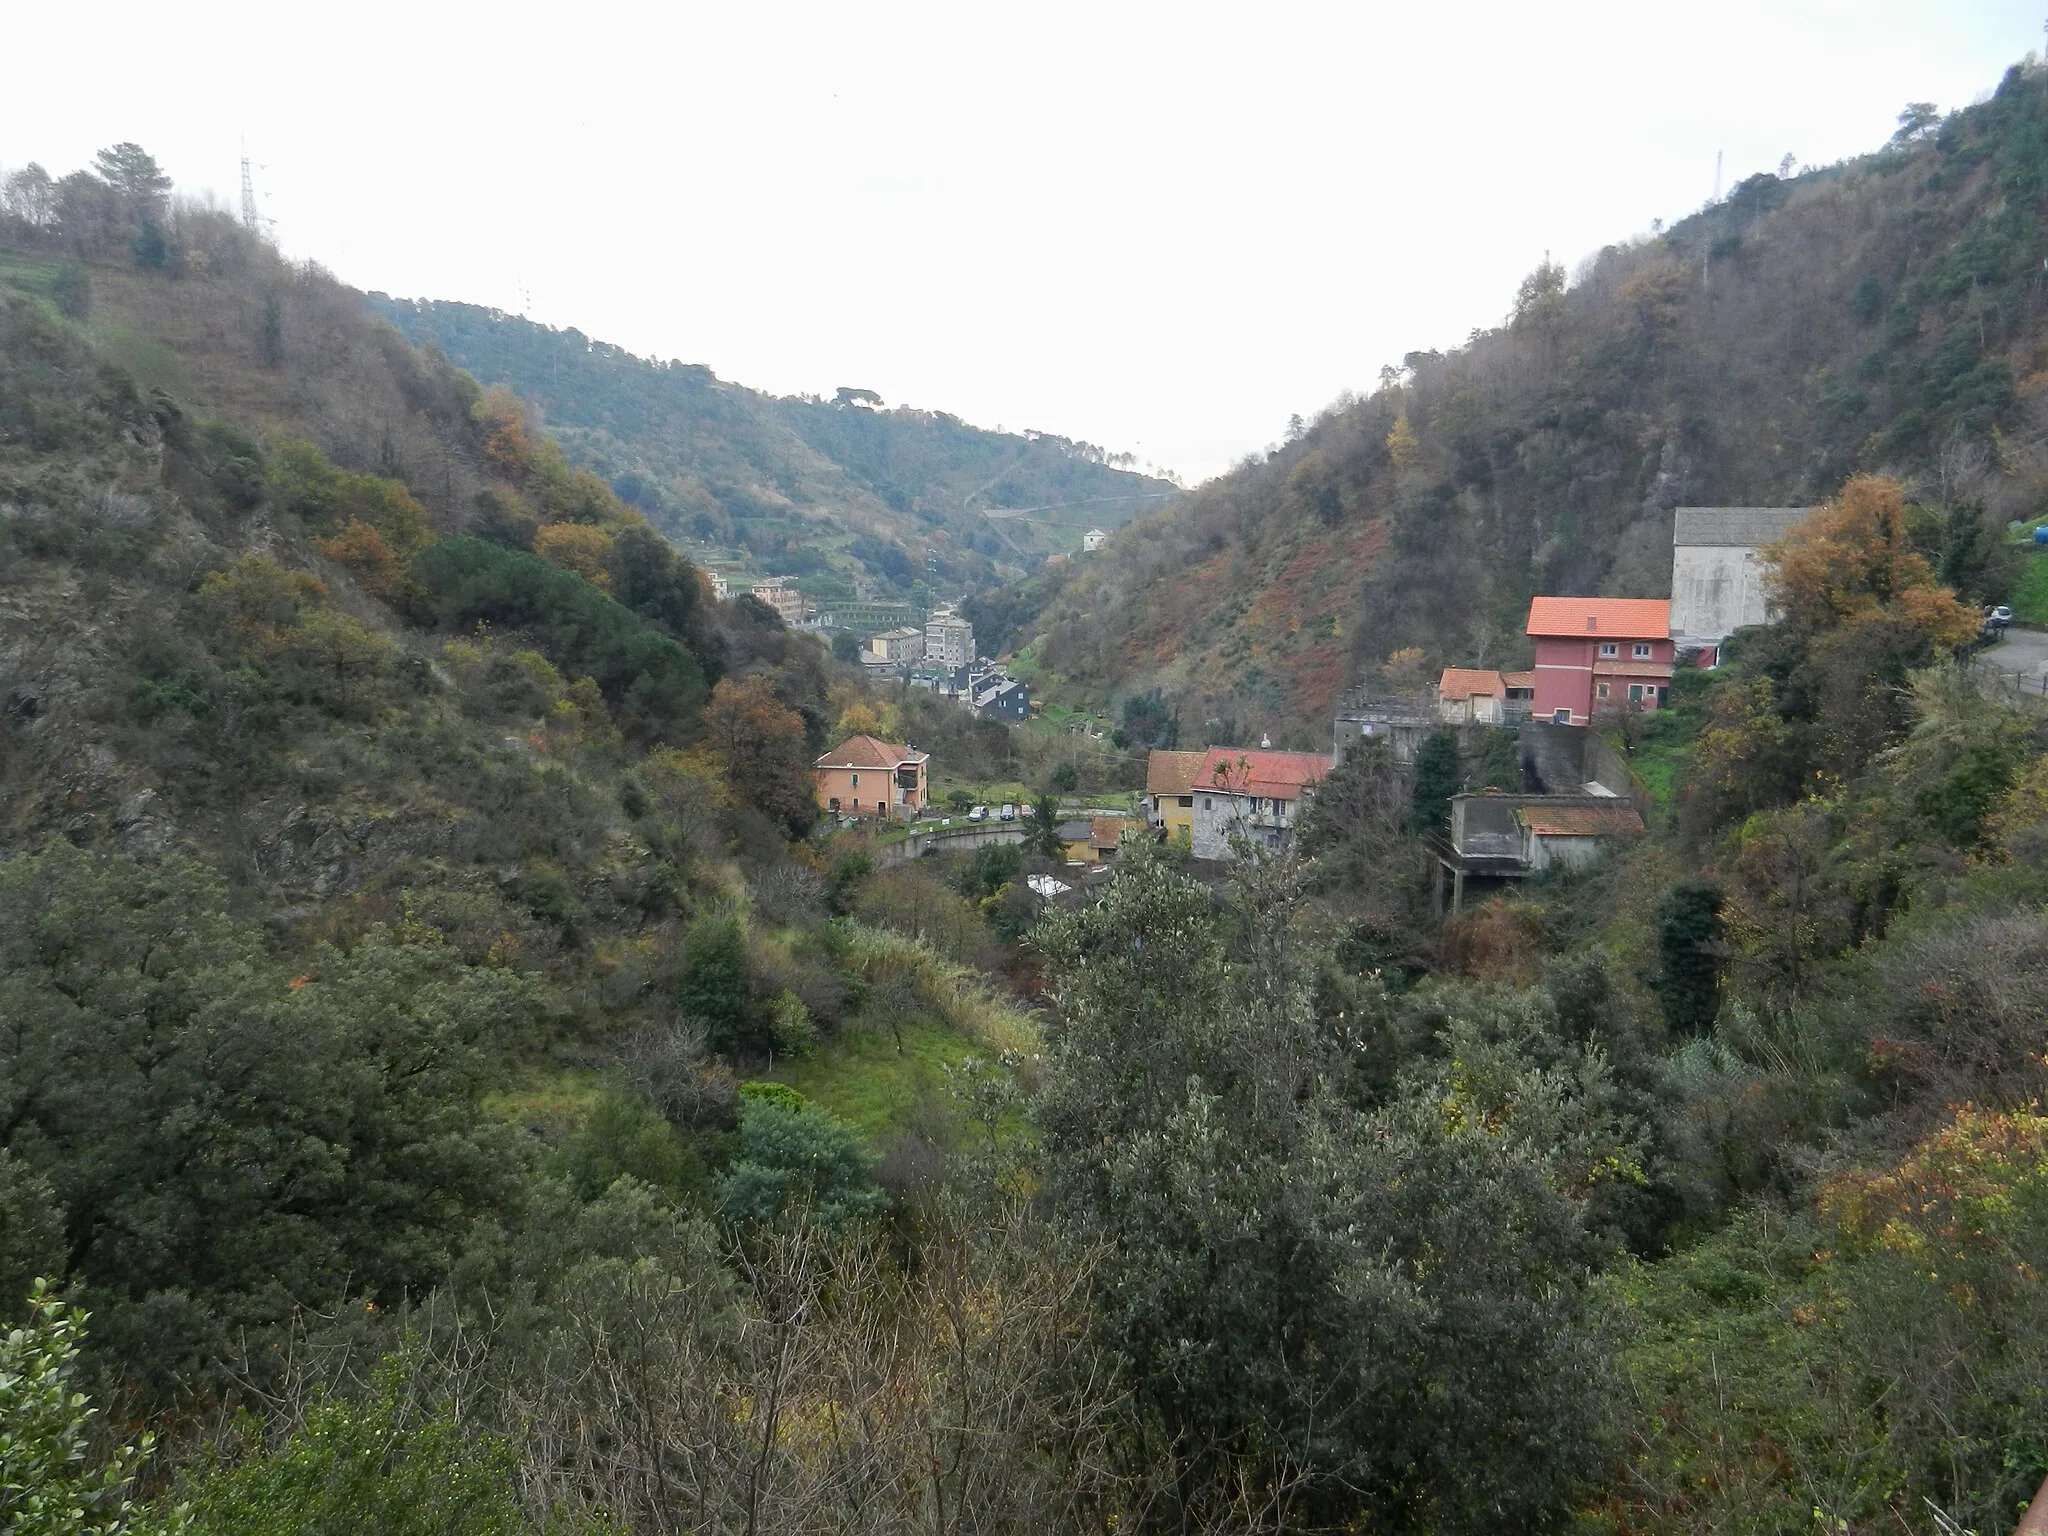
(1610, 618)
(1581, 821)
(1171, 773)
(869, 752)
(1106, 831)
(1518, 679)
(1280, 775)
(1461, 683)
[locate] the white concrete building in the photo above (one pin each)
(948, 639)
(1718, 573)
(1093, 540)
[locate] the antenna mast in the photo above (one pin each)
(250, 216)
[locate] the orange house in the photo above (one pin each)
(866, 776)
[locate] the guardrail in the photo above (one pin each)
(2016, 689)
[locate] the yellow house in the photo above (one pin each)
(1170, 792)
(866, 776)
(1094, 840)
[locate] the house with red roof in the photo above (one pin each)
(1253, 795)
(1599, 653)
(1471, 696)
(1494, 838)
(867, 776)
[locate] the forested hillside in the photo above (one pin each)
(797, 486)
(452, 1082)
(1886, 314)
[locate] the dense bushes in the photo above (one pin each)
(225, 1143)
(657, 687)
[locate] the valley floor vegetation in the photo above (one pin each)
(449, 1082)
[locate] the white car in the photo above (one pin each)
(979, 813)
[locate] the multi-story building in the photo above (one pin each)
(1599, 653)
(787, 602)
(863, 617)
(866, 776)
(1170, 792)
(893, 647)
(1093, 540)
(948, 639)
(1255, 796)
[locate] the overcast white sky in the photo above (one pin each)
(1162, 228)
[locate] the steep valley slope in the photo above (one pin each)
(1882, 314)
(800, 485)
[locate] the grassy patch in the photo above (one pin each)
(26, 273)
(149, 363)
(1656, 768)
(549, 1102)
(2030, 597)
(875, 1084)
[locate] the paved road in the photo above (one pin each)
(2015, 671)
(2024, 651)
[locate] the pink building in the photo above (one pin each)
(1599, 653)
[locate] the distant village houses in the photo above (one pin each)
(866, 776)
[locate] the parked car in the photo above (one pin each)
(979, 813)
(2001, 616)
(1009, 813)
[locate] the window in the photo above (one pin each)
(856, 802)
(1560, 717)
(1610, 648)
(1187, 802)
(1642, 650)
(1599, 690)
(1208, 804)
(856, 781)
(1635, 693)
(833, 803)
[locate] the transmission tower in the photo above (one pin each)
(248, 197)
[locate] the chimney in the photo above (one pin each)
(1592, 622)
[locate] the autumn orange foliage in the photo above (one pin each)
(577, 547)
(1852, 563)
(1954, 1193)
